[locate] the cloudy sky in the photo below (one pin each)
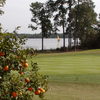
(17, 13)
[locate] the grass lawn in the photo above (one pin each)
(72, 76)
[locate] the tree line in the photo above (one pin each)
(39, 35)
(75, 18)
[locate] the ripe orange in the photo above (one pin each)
(24, 64)
(21, 73)
(27, 80)
(2, 53)
(6, 68)
(30, 88)
(41, 89)
(14, 94)
(37, 92)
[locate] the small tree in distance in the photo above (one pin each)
(41, 16)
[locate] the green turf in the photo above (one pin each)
(72, 67)
(72, 76)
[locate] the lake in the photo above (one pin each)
(49, 43)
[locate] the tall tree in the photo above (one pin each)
(97, 37)
(62, 8)
(59, 8)
(75, 34)
(41, 17)
(85, 20)
(60, 17)
(69, 28)
(2, 2)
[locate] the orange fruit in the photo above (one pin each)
(30, 88)
(6, 68)
(37, 92)
(2, 53)
(14, 94)
(24, 64)
(21, 73)
(41, 89)
(27, 80)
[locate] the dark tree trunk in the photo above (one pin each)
(69, 36)
(63, 36)
(75, 44)
(76, 29)
(42, 35)
(42, 42)
(69, 41)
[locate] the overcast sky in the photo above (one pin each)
(17, 13)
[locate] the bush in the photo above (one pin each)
(18, 79)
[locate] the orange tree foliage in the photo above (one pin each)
(18, 79)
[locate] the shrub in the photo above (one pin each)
(19, 80)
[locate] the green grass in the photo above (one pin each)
(73, 75)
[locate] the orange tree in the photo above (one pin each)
(18, 79)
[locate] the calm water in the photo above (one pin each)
(49, 43)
